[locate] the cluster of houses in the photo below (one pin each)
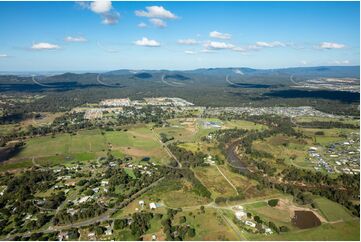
(321, 163)
(143, 169)
(94, 113)
(212, 125)
(209, 160)
(154, 101)
(345, 155)
(241, 215)
(152, 205)
(339, 157)
(281, 111)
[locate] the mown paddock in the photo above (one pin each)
(176, 193)
(302, 119)
(246, 186)
(87, 145)
(139, 142)
(214, 181)
(87, 141)
(273, 214)
(210, 226)
(332, 211)
(281, 146)
(343, 231)
(330, 135)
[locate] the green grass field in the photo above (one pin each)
(343, 231)
(87, 145)
(176, 193)
(214, 181)
(64, 144)
(332, 211)
(210, 226)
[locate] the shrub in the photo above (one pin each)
(273, 202)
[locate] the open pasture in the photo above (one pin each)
(332, 211)
(214, 181)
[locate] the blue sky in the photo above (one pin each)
(62, 36)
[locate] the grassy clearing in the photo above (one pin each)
(89, 141)
(125, 235)
(332, 211)
(130, 172)
(330, 135)
(343, 231)
(243, 124)
(139, 142)
(292, 150)
(278, 216)
(209, 226)
(246, 186)
(176, 193)
(13, 165)
(326, 119)
(87, 145)
(214, 181)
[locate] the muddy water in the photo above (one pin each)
(305, 219)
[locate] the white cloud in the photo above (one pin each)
(270, 44)
(158, 22)
(101, 6)
(342, 62)
(155, 12)
(187, 42)
(44, 46)
(218, 45)
(104, 8)
(3, 55)
(190, 52)
(147, 42)
(330, 45)
(142, 25)
(218, 35)
(240, 49)
(75, 39)
(207, 51)
(110, 18)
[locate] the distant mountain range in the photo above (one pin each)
(335, 71)
(325, 71)
(200, 76)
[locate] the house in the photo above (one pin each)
(104, 183)
(240, 214)
(251, 224)
(152, 206)
(109, 231)
(83, 199)
(63, 235)
(70, 183)
(268, 231)
(91, 234)
(154, 237)
(71, 211)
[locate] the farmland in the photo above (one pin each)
(175, 175)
